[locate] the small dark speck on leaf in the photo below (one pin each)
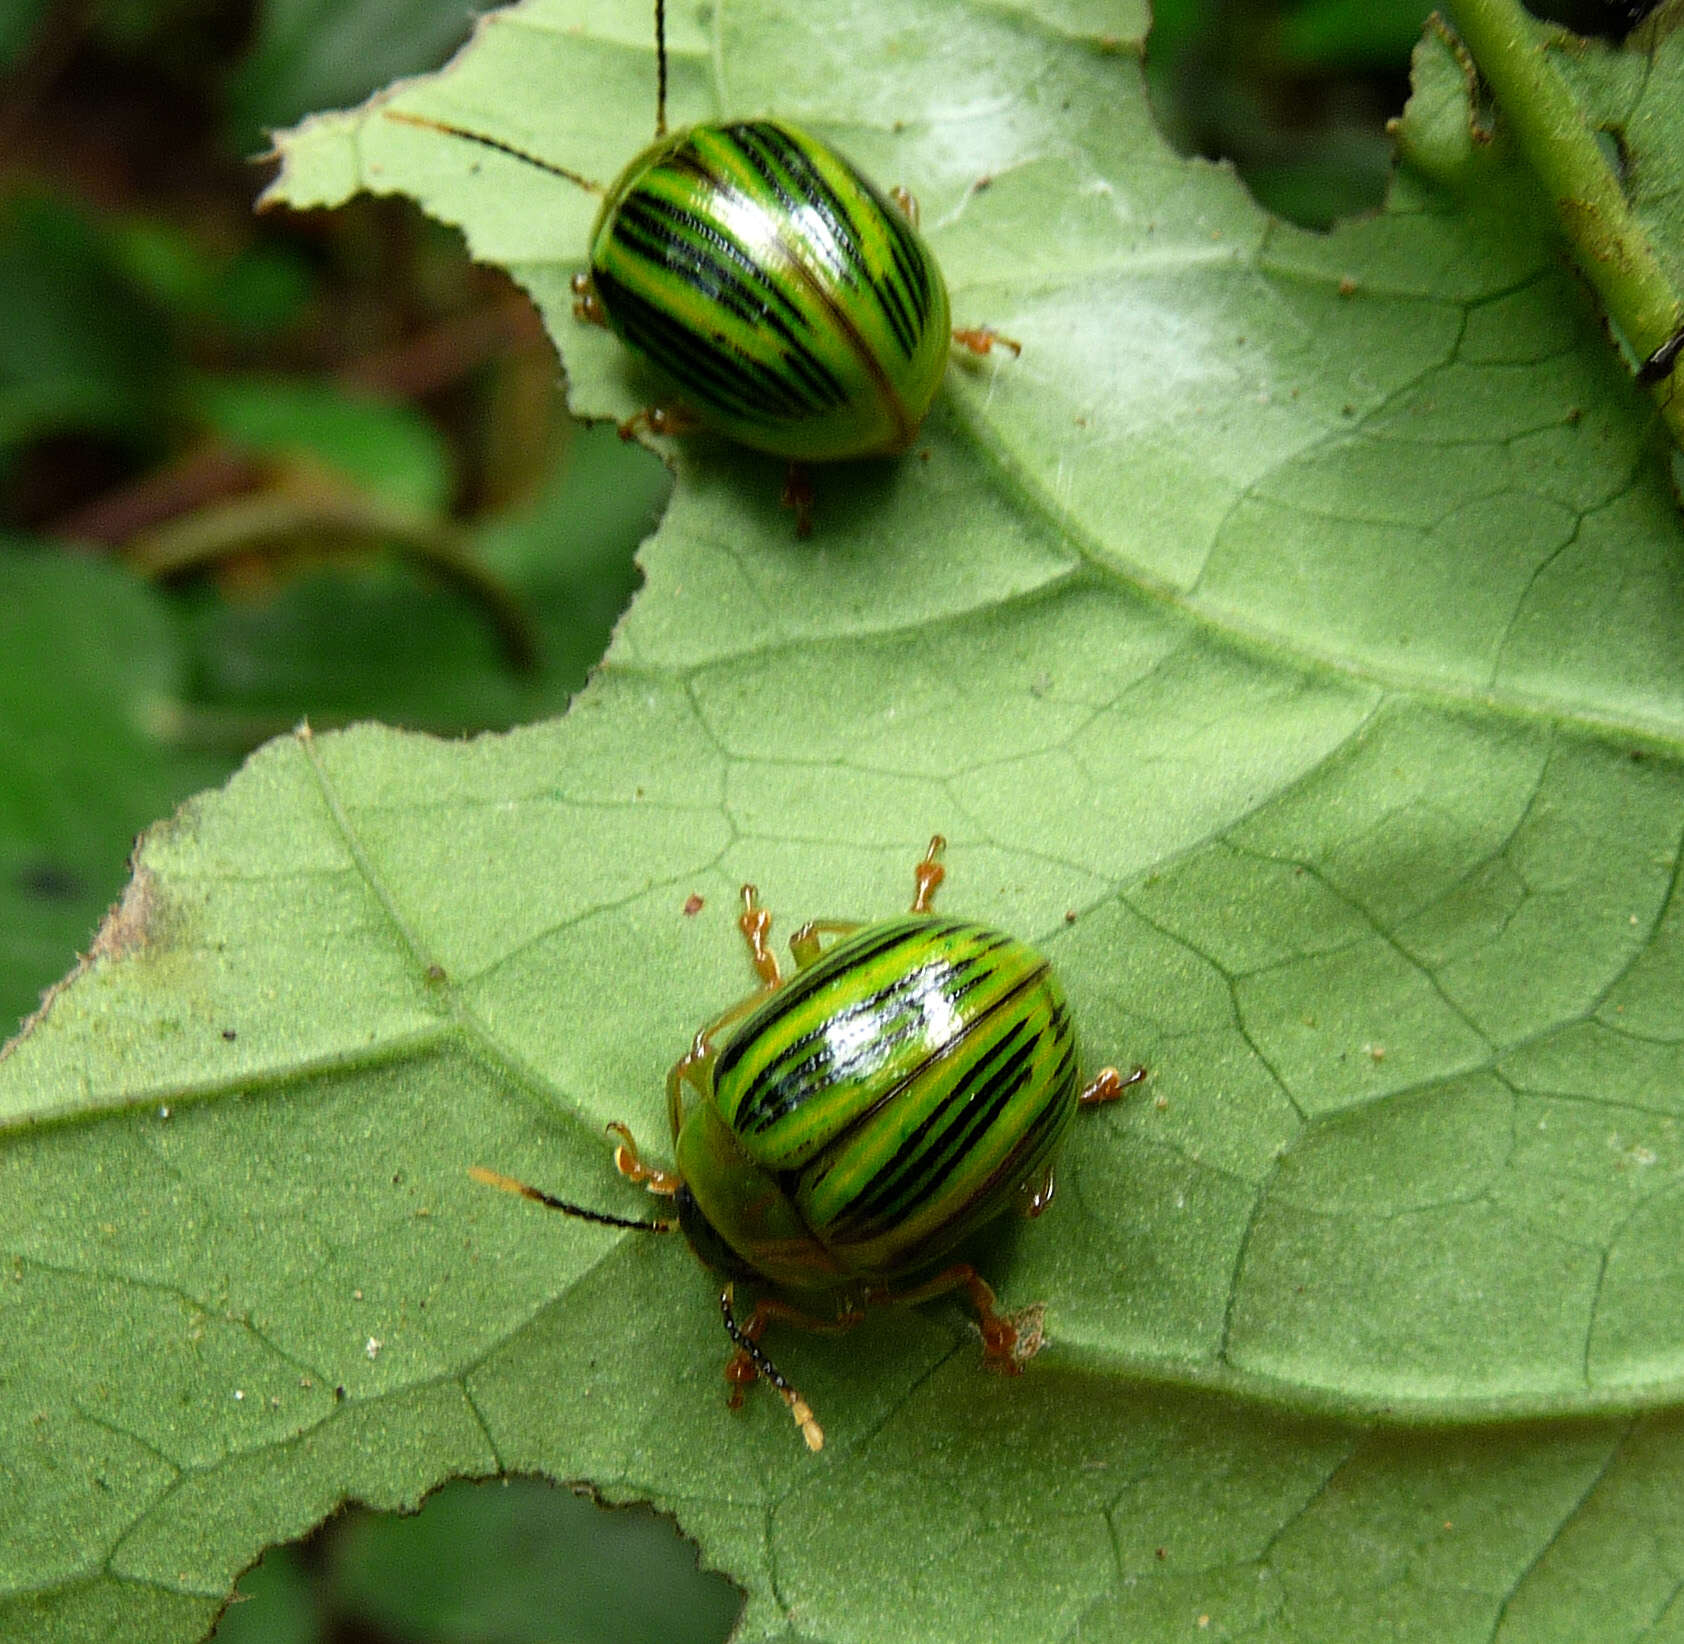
(1347, 287)
(1637, 756)
(1070, 916)
(1575, 415)
(229, 1034)
(339, 1394)
(49, 882)
(1161, 1552)
(982, 182)
(693, 904)
(397, 1178)
(1347, 410)
(436, 973)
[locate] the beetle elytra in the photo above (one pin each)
(840, 1132)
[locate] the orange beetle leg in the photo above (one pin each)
(928, 875)
(756, 925)
(807, 945)
(1001, 1347)
(1107, 1085)
(629, 1165)
(984, 339)
(659, 419)
(798, 494)
(587, 306)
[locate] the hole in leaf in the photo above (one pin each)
(513, 1561)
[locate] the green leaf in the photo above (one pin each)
(88, 676)
(390, 449)
(1288, 642)
(310, 52)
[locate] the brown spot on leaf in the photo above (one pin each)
(130, 925)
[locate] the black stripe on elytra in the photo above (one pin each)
(927, 1154)
(770, 152)
(1021, 1164)
(698, 251)
(963, 978)
(805, 1065)
(801, 987)
(911, 263)
(819, 1166)
(892, 300)
(717, 376)
(704, 257)
(641, 233)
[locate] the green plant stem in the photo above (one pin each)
(1512, 51)
(288, 520)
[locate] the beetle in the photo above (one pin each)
(838, 1134)
(795, 307)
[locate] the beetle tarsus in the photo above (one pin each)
(1107, 1085)
(630, 1165)
(928, 874)
(749, 1363)
(756, 925)
(984, 339)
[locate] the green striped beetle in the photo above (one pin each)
(795, 308)
(838, 1134)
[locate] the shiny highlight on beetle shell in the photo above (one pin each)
(796, 307)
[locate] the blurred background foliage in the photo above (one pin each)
(260, 468)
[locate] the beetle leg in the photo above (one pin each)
(929, 874)
(632, 1167)
(587, 305)
(774, 1307)
(756, 925)
(984, 339)
(1107, 1085)
(688, 1068)
(805, 945)
(1000, 1349)
(757, 1367)
(659, 419)
(798, 494)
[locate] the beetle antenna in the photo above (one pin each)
(539, 1196)
(660, 68)
(497, 143)
(767, 1371)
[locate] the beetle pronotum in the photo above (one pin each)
(840, 1132)
(795, 307)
